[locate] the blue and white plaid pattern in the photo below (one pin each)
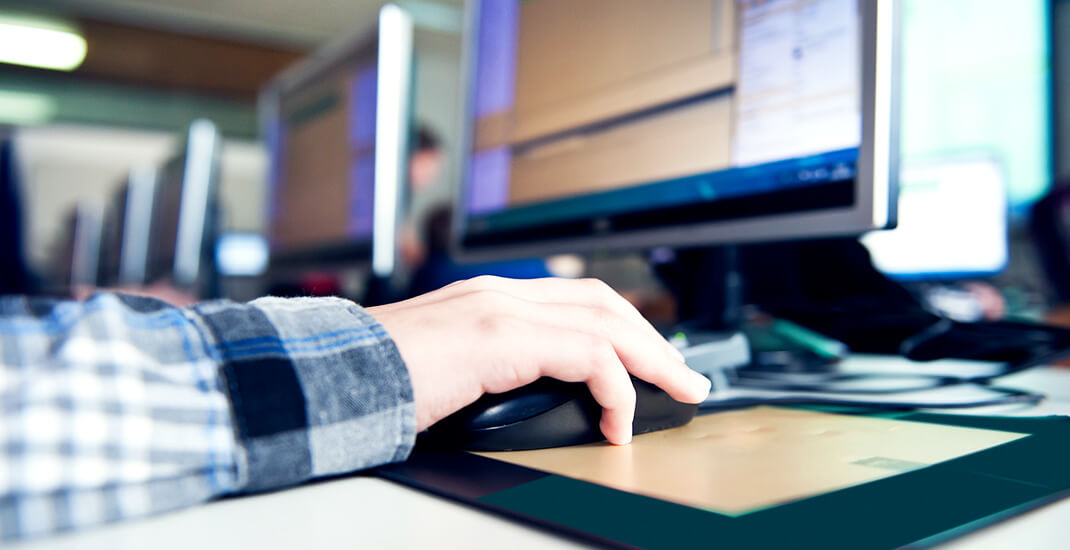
(119, 407)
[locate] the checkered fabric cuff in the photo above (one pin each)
(317, 388)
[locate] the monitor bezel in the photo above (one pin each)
(197, 167)
(874, 187)
(131, 213)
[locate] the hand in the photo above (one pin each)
(491, 334)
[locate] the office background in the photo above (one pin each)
(152, 67)
(342, 161)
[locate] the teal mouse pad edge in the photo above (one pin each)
(917, 508)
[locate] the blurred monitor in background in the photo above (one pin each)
(977, 80)
(337, 129)
(976, 146)
(15, 276)
(185, 215)
(952, 221)
(125, 244)
(86, 230)
(654, 127)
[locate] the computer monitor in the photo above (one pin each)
(125, 243)
(185, 213)
(976, 136)
(639, 124)
(86, 232)
(337, 130)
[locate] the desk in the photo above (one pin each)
(365, 512)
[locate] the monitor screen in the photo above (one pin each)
(697, 121)
(330, 154)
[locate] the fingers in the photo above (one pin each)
(643, 354)
(572, 356)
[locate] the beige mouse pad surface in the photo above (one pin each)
(742, 461)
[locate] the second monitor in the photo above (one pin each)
(637, 124)
(337, 127)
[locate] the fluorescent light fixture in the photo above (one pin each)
(25, 107)
(391, 132)
(40, 43)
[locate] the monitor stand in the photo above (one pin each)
(709, 286)
(708, 289)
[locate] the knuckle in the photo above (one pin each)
(594, 285)
(488, 299)
(483, 281)
(495, 325)
(604, 294)
(601, 320)
(603, 354)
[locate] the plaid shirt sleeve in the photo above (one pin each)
(119, 407)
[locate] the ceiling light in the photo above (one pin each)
(40, 43)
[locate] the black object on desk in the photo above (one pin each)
(551, 413)
(831, 287)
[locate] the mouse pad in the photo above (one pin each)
(769, 477)
(743, 461)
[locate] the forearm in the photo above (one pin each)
(117, 408)
(317, 387)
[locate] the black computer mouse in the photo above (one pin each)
(551, 413)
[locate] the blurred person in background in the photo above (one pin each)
(439, 269)
(425, 167)
(428, 255)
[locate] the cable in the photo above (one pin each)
(1009, 396)
(822, 383)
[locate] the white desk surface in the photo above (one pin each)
(365, 512)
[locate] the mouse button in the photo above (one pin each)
(655, 409)
(494, 410)
(575, 422)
